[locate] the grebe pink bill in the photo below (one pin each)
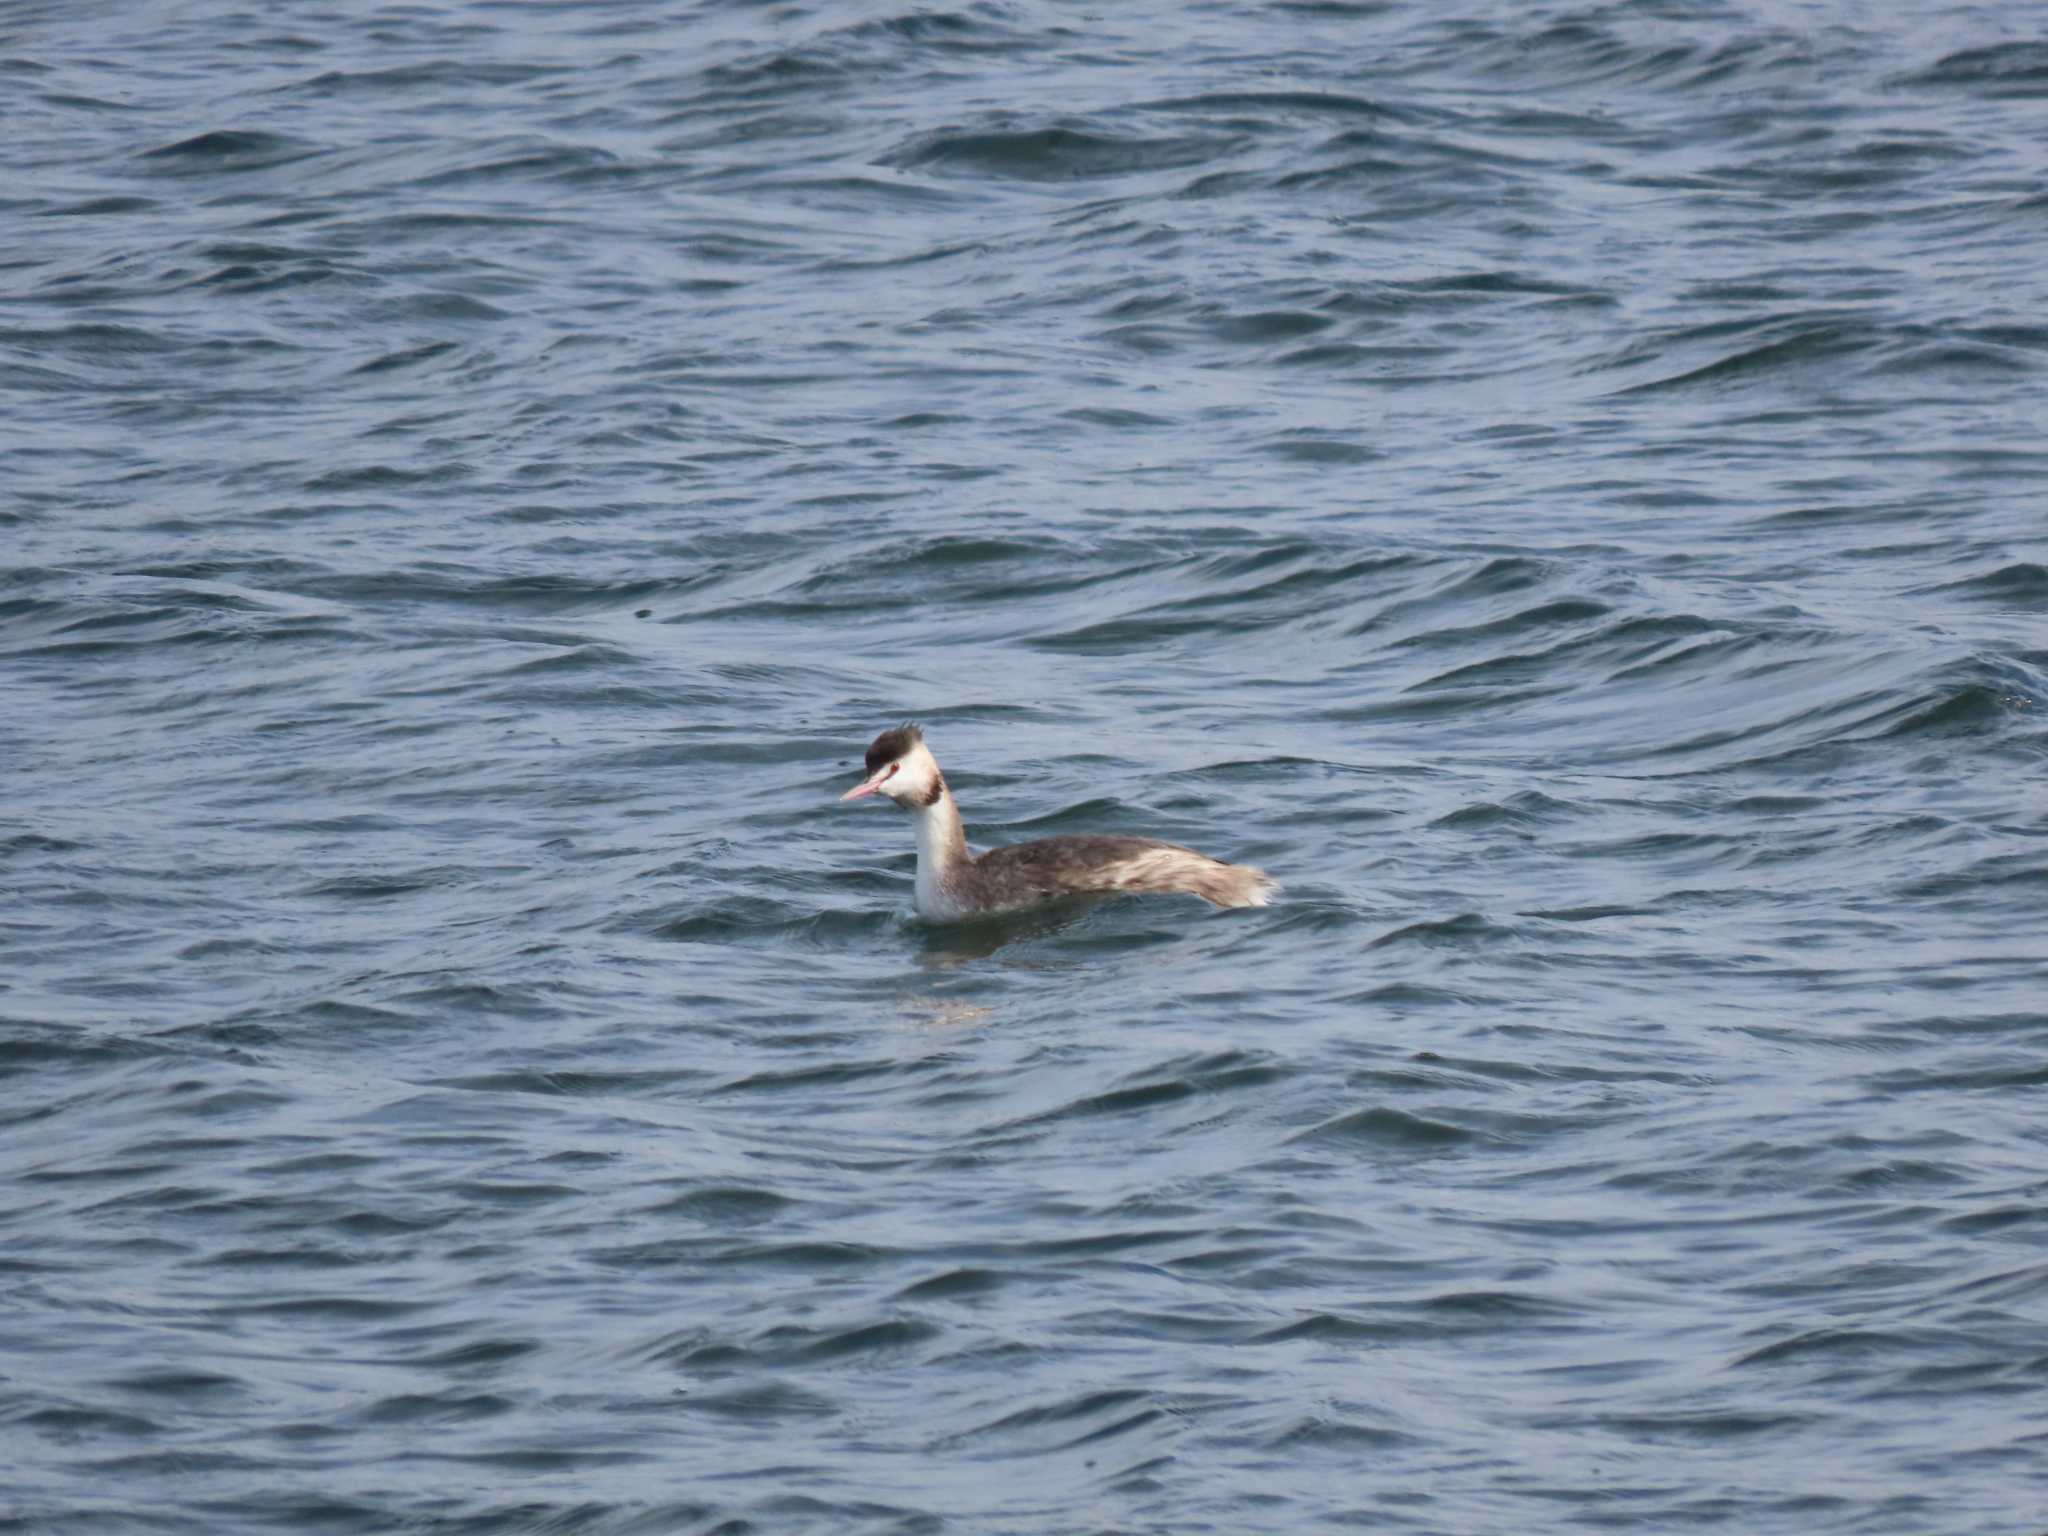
(954, 884)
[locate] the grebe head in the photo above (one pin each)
(901, 767)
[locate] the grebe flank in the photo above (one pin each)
(953, 883)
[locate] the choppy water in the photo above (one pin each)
(1561, 486)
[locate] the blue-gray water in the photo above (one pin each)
(1561, 486)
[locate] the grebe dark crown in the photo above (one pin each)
(890, 745)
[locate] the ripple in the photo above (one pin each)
(229, 150)
(1052, 154)
(1392, 1128)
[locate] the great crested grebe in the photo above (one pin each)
(953, 883)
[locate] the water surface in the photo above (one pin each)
(1560, 486)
